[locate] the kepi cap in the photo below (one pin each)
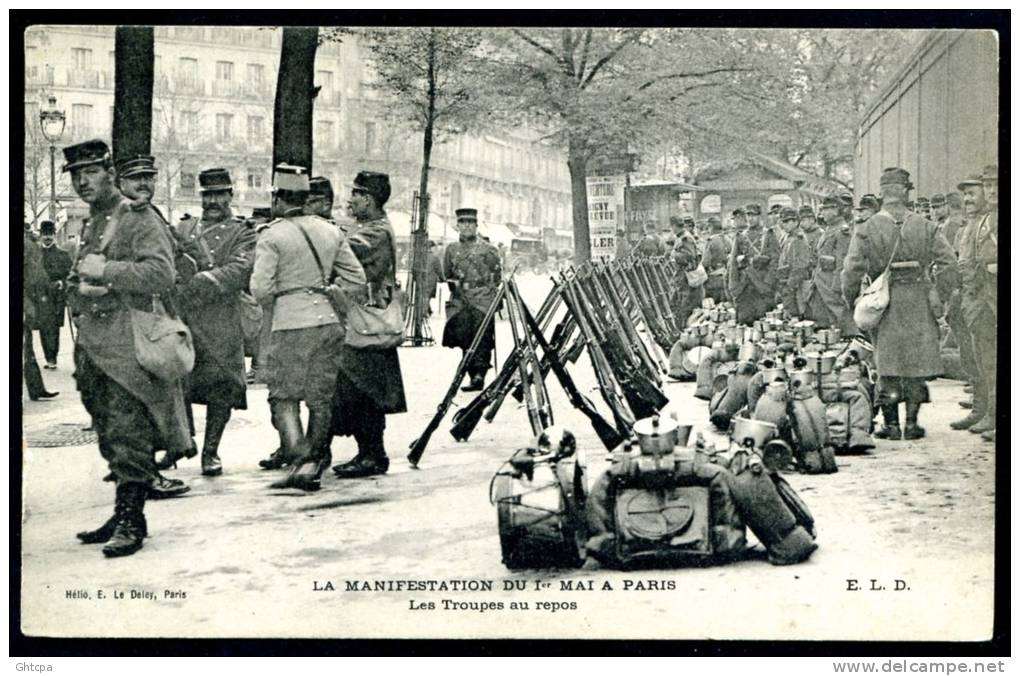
(738, 212)
(806, 211)
(895, 176)
(788, 214)
(870, 201)
(466, 214)
(87, 152)
(137, 165)
(832, 201)
(990, 173)
(753, 209)
(291, 178)
(938, 200)
(214, 180)
(320, 185)
(972, 179)
(47, 228)
(374, 183)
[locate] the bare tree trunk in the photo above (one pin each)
(577, 162)
(292, 118)
(134, 62)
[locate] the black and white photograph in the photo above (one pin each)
(438, 329)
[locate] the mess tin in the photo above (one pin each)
(752, 432)
(658, 436)
(820, 362)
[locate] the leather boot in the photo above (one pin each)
(163, 488)
(216, 421)
(977, 411)
(912, 429)
(276, 460)
(891, 429)
(987, 422)
(475, 384)
(131, 527)
(304, 460)
(372, 454)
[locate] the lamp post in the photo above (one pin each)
(52, 123)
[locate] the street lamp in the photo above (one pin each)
(52, 122)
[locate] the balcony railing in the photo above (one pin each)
(230, 89)
(187, 84)
(39, 75)
(86, 79)
(255, 89)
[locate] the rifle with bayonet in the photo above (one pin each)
(604, 287)
(653, 320)
(419, 444)
(610, 437)
(536, 397)
(661, 296)
(467, 418)
(608, 387)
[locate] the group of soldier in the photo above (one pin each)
(292, 267)
(941, 256)
(291, 261)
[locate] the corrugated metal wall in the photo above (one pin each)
(938, 118)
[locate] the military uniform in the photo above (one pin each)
(210, 304)
(751, 281)
(979, 269)
(907, 336)
(951, 226)
(826, 305)
(35, 288)
(292, 255)
(683, 297)
(474, 265)
(796, 260)
(717, 250)
(650, 246)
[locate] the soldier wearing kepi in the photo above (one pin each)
(684, 297)
(717, 250)
(472, 270)
(795, 263)
(824, 303)
(751, 281)
(210, 302)
(126, 259)
(370, 385)
(320, 198)
(979, 271)
(907, 336)
(50, 313)
(296, 257)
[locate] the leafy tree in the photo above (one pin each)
(600, 89)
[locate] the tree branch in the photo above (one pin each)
(536, 44)
(630, 39)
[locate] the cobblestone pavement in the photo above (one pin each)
(234, 558)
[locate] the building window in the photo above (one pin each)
(324, 134)
(81, 119)
(256, 74)
(188, 68)
(370, 138)
(224, 122)
(225, 70)
(255, 130)
(187, 183)
(254, 179)
(81, 58)
(189, 123)
(324, 78)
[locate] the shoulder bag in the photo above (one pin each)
(367, 326)
(163, 344)
(874, 299)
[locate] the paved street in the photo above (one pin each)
(248, 559)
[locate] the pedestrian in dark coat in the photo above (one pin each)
(210, 301)
(126, 260)
(370, 385)
(433, 273)
(717, 251)
(295, 258)
(57, 264)
(35, 287)
(907, 336)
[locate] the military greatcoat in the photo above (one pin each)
(212, 308)
(825, 303)
(907, 336)
(133, 411)
(474, 265)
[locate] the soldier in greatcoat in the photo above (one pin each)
(907, 336)
(824, 301)
(684, 297)
(751, 282)
(211, 305)
(472, 270)
(125, 261)
(795, 262)
(979, 271)
(296, 257)
(57, 264)
(717, 250)
(370, 385)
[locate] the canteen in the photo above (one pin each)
(749, 352)
(659, 436)
(757, 432)
(827, 337)
(820, 362)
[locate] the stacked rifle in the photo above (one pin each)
(618, 313)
